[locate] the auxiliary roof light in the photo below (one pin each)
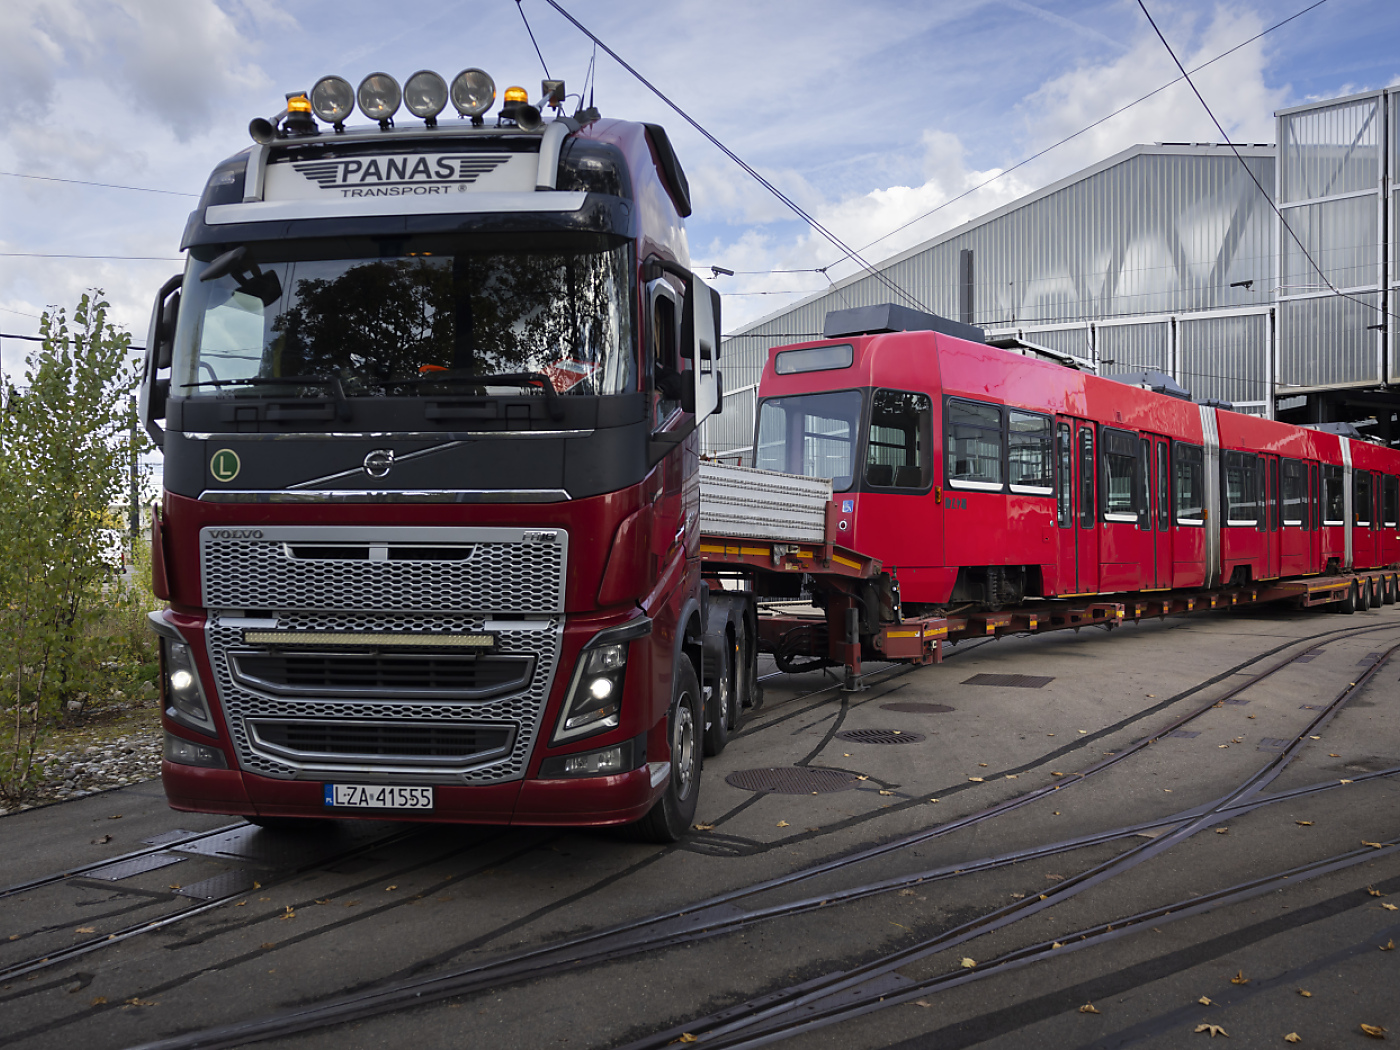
(379, 97)
(333, 99)
(425, 95)
(473, 93)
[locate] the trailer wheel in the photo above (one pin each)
(669, 819)
(720, 713)
(1363, 595)
(1349, 603)
(1388, 590)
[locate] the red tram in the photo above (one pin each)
(980, 477)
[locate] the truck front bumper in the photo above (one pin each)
(575, 802)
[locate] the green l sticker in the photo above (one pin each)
(225, 465)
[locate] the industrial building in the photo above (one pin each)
(1172, 258)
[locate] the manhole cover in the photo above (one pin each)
(792, 780)
(913, 707)
(1020, 681)
(880, 736)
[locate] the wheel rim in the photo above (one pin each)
(683, 747)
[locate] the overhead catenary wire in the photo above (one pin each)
(103, 185)
(798, 210)
(520, 6)
(1292, 234)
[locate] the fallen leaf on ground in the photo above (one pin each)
(1088, 1008)
(1018, 896)
(1057, 774)
(1085, 732)
(1373, 845)
(1390, 907)
(135, 1001)
(975, 780)
(906, 893)
(1344, 782)
(1330, 755)
(1222, 831)
(884, 792)
(1305, 993)
(861, 776)
(781, 824)
(1012, 776)
(1388, 946)
(1314, 738)
(1213, 1029)
(1057, 944)
(1222, 745)
(115, 816)
(99, 1000)
(102, 841)
(1056, 878)
(1374, 892)
(1375, 1031)
(686, 1037)
(920, 1002)
(1205, 1000)
(1292, 1037)
(982, 764)
(704, 827)
(269, 945)
(240, 904)
(967, 963)
(1239, 978)
(393, 887)
(1303, 823)
(84, 929)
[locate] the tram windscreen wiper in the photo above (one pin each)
(525, 379)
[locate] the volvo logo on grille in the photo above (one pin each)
(379, 462)
(235, 534)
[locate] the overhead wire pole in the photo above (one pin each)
(836, 242)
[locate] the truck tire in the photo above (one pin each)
(669, 819)
(719, 714)
(1348, 604)
(1388, 591)
(1363, 595)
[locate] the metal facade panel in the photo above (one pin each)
(1330, 149)
(1134, 347)
(1341, 236)
(1225, 358)
(1326, 341)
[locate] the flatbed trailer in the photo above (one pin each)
(777, 536)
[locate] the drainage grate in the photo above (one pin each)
(1020, 681)
(1185, 734)
(792, 780)
(124, 869)
(914, 707)
(880, 736)
(1275, 744)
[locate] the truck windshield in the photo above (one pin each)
(406, 317)
(810, 434)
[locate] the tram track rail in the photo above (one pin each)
(593, 948)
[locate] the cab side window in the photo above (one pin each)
(665, 363)
(897, 445)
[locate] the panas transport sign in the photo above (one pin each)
(401, 175)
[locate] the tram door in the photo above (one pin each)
(1313, 517)
(1160, 511)
(1086, 509)
(1272, 550)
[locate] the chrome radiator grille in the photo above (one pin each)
(419, 717)
(399, 569)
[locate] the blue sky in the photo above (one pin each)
(869, 114)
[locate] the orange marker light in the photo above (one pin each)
(298, 104)
(517, 94)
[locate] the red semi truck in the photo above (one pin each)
(427, 394)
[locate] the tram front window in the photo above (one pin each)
(810, 434)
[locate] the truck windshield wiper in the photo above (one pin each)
(331, 383)
(525, 379)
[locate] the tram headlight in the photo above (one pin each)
(332, 99)
(593, 703)
(473, 92)
(379, 96)
(425, 94)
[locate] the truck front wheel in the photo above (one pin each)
(669, 819)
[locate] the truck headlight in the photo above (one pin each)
(184, 696)
(593, 703)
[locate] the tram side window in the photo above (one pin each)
(1064, 499)
(1120, 467)
(1028, 453)
(1295, 494)
(1390, 502)
(1086, 478)
(1361, 497)
(810, 434)
(899, 422)
(1164, 477)
(973, 443)
(1241, 477)
(1190, 484)
(1333, 497)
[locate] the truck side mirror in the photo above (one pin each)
(160, 352)
(700, 338)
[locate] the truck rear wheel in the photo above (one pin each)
(1363, 595)
(720, 709)
(1349, 603)
(1388, 591)
(669, 819)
